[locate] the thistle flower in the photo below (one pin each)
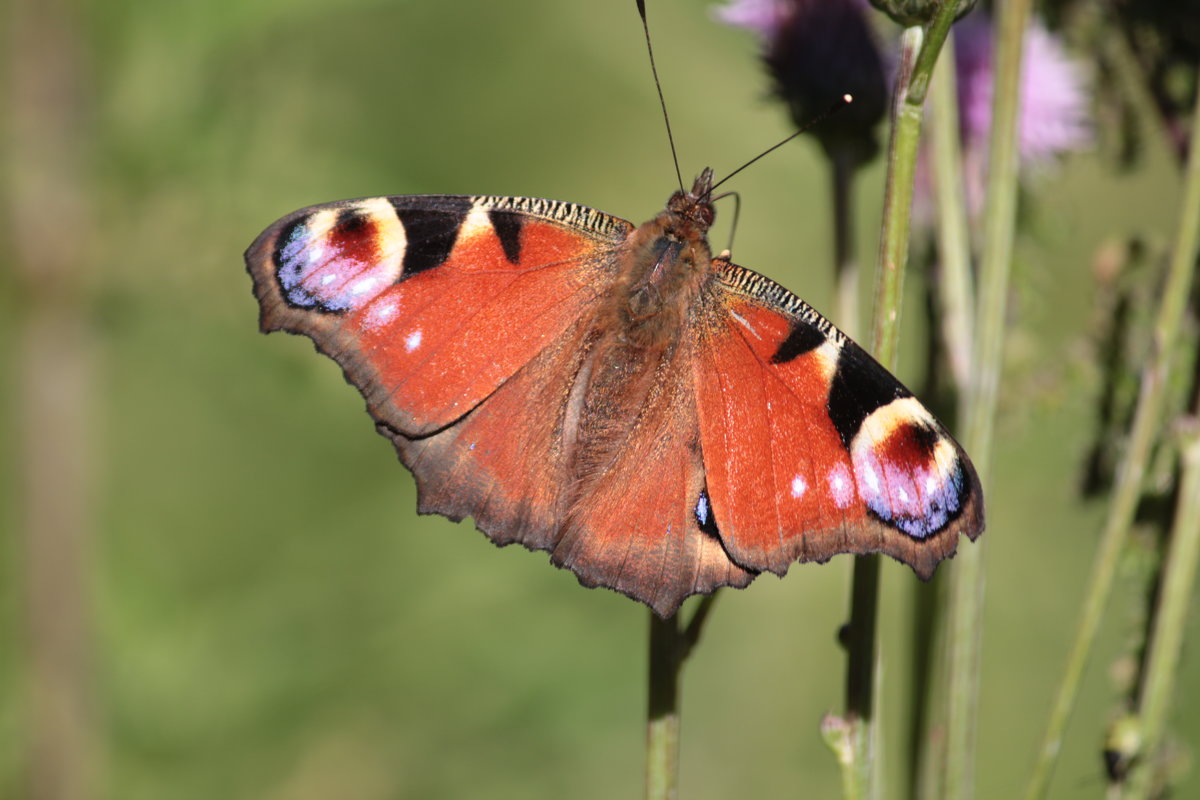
(816, 51)
(1055, 100)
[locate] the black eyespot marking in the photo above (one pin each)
(508, 230)
(704, 516)
(431, 232)
(349, 222)
(802, 339)
(860, 386)
(925, 439)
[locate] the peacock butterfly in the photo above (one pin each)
(663, 422)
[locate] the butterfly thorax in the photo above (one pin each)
(633, 364)
(663, 267)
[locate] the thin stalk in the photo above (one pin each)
(1134, 85)
(919, 53)
(1170, 620)
(858, 749)
(855, 737)
(1147, 424)
(662, 712)
(927, 730)
(956, 287)
(857, 743)
(956, 305)
(1162, 661)
(897, 205)
(53, 379)
(670, 646)
(964, 635)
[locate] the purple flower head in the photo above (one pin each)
(816, 51)
(1055, 105)
(1055, 115)
(764, 17)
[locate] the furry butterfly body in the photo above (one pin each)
(661, 421)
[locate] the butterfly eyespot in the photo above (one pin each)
(909, 474)
(337, 260)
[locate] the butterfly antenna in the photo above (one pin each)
(641, 5)
(837, 106)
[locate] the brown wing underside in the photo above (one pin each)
(523, 465)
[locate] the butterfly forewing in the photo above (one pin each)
(431, 302)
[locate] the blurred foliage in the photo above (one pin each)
(272, 619)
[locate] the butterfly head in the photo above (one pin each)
(696, 206)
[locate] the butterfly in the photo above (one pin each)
(661, 421)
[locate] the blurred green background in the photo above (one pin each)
(264, 614)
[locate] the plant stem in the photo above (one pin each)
(662, 712)
(860, 752)
(956, 306)
(964, 634)
(860, 757)
(957, 284)
(856, 742)
(1179, 579)
(670, 646)
(931, 50)
(1170, 620)
(897, 205)
(919, 52)
(1147, 423)
(46, 139)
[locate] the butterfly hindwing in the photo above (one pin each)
(639, 520)
(536, 464)
(812, 448)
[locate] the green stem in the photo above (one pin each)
(662, 713)
(1147, 423)
(859, 730)
(670, 646)
(919, 53)
(956, 301)
(935, 39)
(956, 286)
(897, 204)
(964, 634)
(859, 753)
(856, 743)
(1170, 621)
